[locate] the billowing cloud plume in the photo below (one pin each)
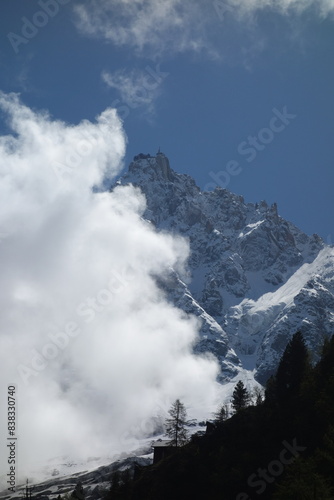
(86, 335)
(164, 27)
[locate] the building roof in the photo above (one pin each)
(161, 443)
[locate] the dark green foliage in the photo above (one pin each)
(292, 369)
(271, 392)
(121, 485)
(240, 397)
(303, 481)
(282, 449)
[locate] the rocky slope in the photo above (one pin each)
(95, 483)
(255, 278)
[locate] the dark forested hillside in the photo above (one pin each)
(281, 449)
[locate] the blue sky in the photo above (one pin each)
(201, 79)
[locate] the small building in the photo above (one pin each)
(161, 449)
(210, 428)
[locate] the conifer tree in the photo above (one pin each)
(176, 424)
(271, 392)
(240, 396)
(292, 368)
(221, 414)
(325, 367)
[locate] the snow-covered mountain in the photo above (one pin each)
(254, 278)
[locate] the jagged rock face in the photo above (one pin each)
(242, 257)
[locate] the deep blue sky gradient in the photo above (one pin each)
(206, 107)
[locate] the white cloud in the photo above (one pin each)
(85, 333)
(159, 28)
(154, 27)
(324, 7)
(137, 88)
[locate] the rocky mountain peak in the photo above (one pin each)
(157, 167)
(241, 254)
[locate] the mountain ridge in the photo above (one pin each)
(240, 253)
